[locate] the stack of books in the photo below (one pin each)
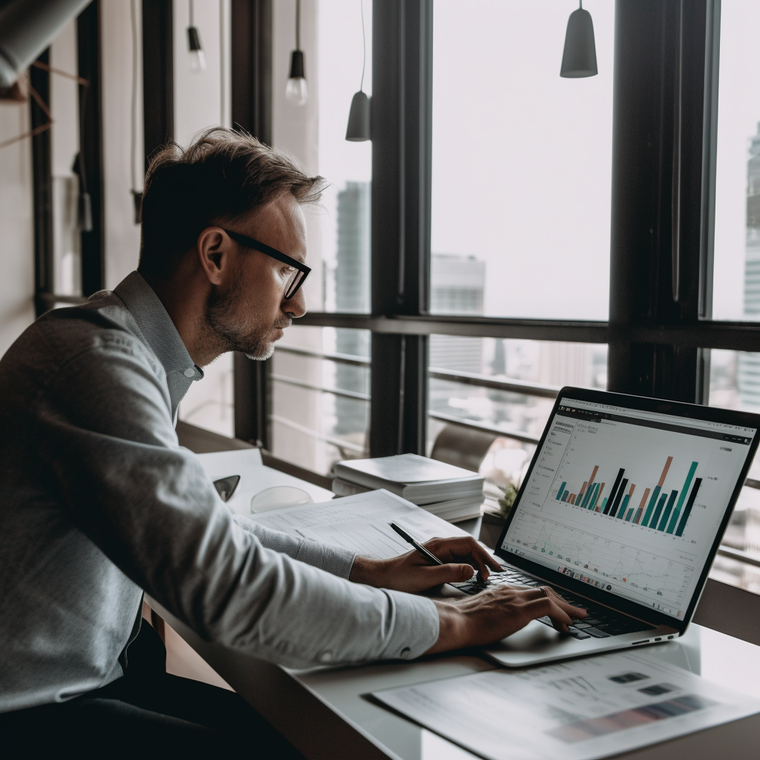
(449, 492)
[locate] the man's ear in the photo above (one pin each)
(215, 253)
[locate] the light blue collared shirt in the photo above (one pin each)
(98, 502)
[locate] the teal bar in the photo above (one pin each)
(561, 489)
(604, 502)
(668, 510)
(628, 516)
(626, 499)
(681, 498)
(656, 515)
(565, 495)
(652, 502)
(594, 496)
(587, 495)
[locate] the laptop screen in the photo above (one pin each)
(627, 500)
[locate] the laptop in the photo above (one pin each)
(622, 512)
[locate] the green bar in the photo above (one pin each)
(681, 498)
(594, 496)
(652, 502)
(604, 502)
(628, 516)
(626, 499)
(561, 489)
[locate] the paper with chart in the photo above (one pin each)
(359, 523)
(580, 710)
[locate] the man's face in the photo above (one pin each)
(248, 313)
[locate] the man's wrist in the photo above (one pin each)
(366, 571)
(452, 633)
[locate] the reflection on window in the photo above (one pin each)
(521, 163)
(320, 408)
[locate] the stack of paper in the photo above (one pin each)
(450, 492)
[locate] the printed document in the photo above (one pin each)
(360, 523)
(579, 710)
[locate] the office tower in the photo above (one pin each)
(748, 364)
(748, 371)
(457, 286)
(352, 278)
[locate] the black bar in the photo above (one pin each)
(158, 74)
(91, 148)
(618, 498)
(401, 125)
(42, 187)
(655, 520)
(614, 491)
(251, 87)
(251, 54)
(689, 505)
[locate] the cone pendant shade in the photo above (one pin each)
(579, 58)
(358, 118)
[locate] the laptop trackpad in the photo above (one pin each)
(536, 637)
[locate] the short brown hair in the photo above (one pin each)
(222, 175)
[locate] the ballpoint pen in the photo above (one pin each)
(474, 582)
(417, 545)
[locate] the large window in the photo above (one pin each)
(521, 163)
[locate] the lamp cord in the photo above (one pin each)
(133, 135)
(191, 14)
(298, 24)
(364, 47)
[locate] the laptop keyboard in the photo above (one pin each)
(601, 622)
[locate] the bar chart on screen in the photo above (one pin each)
(633, 477)
(660, 509)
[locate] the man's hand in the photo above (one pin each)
(413, 573)
(496, 613)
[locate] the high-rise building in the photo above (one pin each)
(352, 280)
(748, 366)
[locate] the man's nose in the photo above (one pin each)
(295, 306)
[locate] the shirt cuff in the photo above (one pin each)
(416, 626)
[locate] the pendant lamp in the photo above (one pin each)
(358, 116)
(579, 57)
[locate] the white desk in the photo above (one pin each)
(323, 714)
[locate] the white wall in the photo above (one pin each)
(16, 226)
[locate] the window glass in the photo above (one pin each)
(735, 384)
(463, 390)
(345, 223)
(521, 163)
(736, 278)
(320, 409)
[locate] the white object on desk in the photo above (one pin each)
(360, 523)
(255, 478)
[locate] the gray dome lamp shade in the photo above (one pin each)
(27, 28)
(358, 118)
(579, 57)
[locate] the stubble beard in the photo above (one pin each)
(230, 329)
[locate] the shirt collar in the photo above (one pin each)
(160, 334)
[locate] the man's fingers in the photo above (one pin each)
(450, 573)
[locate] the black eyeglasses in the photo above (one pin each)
(300, 271)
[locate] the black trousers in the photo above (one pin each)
(146, 713)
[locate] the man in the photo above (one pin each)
(99, 503)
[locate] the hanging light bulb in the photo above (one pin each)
(296, 91)
(197, 56)
(358, 116)
(579, 56)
